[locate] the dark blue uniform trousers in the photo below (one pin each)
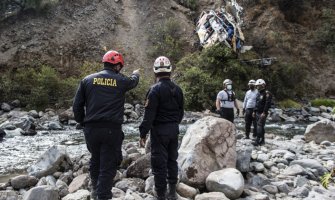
(104, 144)
(250, 120)
(164, 154)
(260, 127)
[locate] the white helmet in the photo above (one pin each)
(162, 64)
(227, 82)
(252, 82)
(260, 82)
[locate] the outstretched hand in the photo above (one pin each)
(136, 72)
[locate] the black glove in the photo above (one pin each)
(243, 111)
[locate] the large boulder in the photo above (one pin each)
(53, 160)
(66, 115)
(323, 130)
(228, 181)
(208, 145)
(310, 163)
(23, 181)
(5, 107)
(25, 123)
(140, 168)
(243, 158)
(42, 193)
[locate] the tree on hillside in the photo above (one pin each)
(19, 5)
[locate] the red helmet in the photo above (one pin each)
(113, 57)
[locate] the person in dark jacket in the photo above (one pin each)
(164, 110)
(263, 103)
(99, 107)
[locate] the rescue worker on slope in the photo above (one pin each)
(249, 104)
(164, 110)
(263, 103)
(103, 96)
(225, 101)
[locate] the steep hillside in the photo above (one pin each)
(69, 33)
(296, 32)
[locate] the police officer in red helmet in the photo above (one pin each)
(99, 107)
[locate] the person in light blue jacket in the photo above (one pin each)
(249, 104)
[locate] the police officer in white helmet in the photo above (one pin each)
(263, 103)
(226, 101)
(164, 111)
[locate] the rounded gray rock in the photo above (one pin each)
(42, 193)
(228, 181)
(211, 196)
(23, 181)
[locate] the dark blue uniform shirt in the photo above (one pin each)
(165, 104)
(263, 101)
(103, 95)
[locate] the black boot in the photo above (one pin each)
(247, 135)
(256, 142)
(93, 186)
(172, 194)
(261, 141)
(159, 194)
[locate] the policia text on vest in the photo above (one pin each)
(105, 81)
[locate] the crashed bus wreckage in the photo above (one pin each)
(222, 26)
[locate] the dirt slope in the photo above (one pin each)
(77, 31)
(289, 32)
(80, 30)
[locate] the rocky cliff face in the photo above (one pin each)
(71, 32)
(295, 32)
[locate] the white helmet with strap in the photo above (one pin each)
(252, 82)
(162, 64)
(227, 82)
(260, 82)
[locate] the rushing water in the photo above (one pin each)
(19, 152)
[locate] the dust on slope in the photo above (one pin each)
(76, 31)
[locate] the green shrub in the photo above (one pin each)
(289, 103)
(191, 4)
(166, 39)
(287, 80)
(201, 75)
(323, 102)
(139, 93)
(325, 34)
(38, 87)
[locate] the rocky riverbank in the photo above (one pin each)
(217, 164)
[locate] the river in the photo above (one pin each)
(19, 152)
